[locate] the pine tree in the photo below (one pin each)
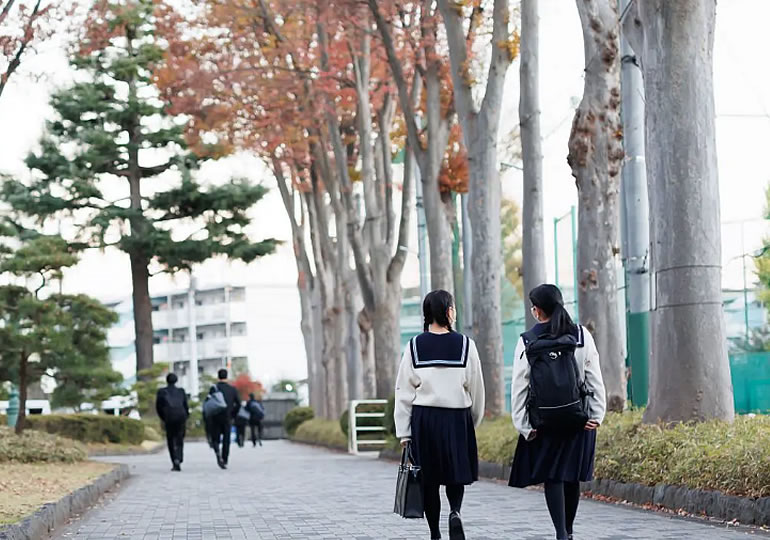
(112, 135)
(61, 336)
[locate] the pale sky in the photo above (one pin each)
(742, 88)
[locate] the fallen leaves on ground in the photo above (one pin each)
(25, 487)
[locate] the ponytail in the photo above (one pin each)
(561, 323)
(549, 300)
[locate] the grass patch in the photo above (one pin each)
(27, 486)
(320, 431)
(35, 447)
(731, 458)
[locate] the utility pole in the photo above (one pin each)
(635, 212)
(192, 332)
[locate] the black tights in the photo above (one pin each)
(432, 499)
(562, 499)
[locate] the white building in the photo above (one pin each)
(247, 329)
(213, 334)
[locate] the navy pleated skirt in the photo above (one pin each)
(554, 458)
(444, 445)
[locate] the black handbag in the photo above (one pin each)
(409, 502)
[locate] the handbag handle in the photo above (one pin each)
(406, 453)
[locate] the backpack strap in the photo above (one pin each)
(581, 340)
(529, 337)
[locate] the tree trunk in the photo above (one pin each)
(368, 354)
(354, 347)
(437, 137)
(689, 368)
(533, 235)
(484, 199)
(140, 280)
(23, 383)
(596, 157)
(140, 276)
(387, 338)
(480, 129)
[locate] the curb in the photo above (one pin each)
(713, 504)
(50, 516)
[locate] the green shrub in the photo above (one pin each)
(323, 432)
(295, 417)
(37, 447)
(369, 422)
(87, 428)
(496, 440)
(731, 458)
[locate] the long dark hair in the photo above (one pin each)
(435, 307)
(549, 299)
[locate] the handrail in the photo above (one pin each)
(354, 443)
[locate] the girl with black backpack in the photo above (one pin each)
(557, 403)
(439, 403)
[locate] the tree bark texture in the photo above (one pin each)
(480, 129)
(689, 368)
(533, 234)
(596, 157)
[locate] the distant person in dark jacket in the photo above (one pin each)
(221, 425)
(172, 408)
(257, 412)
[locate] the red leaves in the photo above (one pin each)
(22, 26)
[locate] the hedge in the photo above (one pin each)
(37, 447)
(321, 431)
(715, 455)
(87, 428)
(295, 417)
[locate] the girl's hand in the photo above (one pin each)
(532, 435)
(404, 443)
(591, 425)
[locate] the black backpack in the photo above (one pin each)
(257, 410)
(556, 401)
(175, 411)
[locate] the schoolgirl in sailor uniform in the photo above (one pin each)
(439, 403)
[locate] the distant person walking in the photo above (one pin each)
(173, 411)
(257, 412)
(439, 403)
(219, 420)
(557, 403)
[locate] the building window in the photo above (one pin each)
(238, 329)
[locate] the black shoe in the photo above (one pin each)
(176, 466)
(456, 531)
(260, 442)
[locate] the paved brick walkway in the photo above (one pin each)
(287, 491)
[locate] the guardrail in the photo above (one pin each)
(354, 443)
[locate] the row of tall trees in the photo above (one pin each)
(328, 93)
